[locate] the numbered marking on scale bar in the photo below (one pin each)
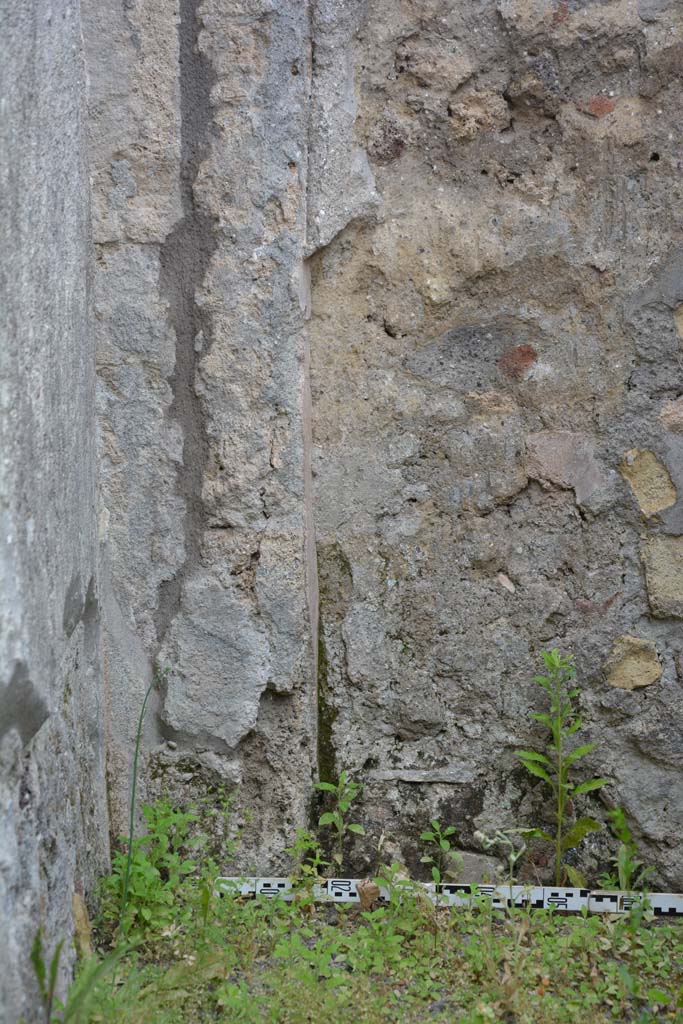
(565, 899)
(272, 887)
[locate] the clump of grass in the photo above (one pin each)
(133, 791)
(258, 961)
(193, 956)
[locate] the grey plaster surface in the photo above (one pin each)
(199, 126)
(53, 823)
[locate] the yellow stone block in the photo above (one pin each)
(649, 480)
(633, 663)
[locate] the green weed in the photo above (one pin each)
(150, 873)
(630, 872)
(553, 767)
(342, 796)
(512, 843)
(444, 862)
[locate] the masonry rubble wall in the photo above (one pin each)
(455, 219)
(388, 305)
(53, 816)
(496, 378)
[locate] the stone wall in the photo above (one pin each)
(388, 305)
(53, 822)
(400, 277)
(481, 196)
(496, 373)
(198, 131)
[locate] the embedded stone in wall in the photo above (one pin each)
(518, 361)
(538, 87)
(633, 663)
(596, 106)
(671, 416)
(567, 460)
(222, 652)
(477, 867)
(479, 112)
(443, 66)
(649, 480)
(663, 557)
(678, 319)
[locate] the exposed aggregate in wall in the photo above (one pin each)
(482, 195)
(496, 372)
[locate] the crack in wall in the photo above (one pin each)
(184, 259)
(321, 727)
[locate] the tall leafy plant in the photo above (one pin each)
(555, 765)
(342, 796)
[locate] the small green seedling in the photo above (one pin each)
(46, 977)
(343, 795)
(512, 841)
(307, 856)
(443, 860)
(308, 865)
(630, 874)
(553, 767)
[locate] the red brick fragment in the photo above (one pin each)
(597, 106)
(515, 362)
(562, 12)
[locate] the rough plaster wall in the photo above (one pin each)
(482, 194)
(134, 141)
(199, 125)
(53, 827)
(496, 377)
